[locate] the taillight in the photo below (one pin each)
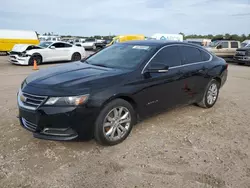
(226, 66)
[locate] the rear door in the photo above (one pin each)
(195, 66)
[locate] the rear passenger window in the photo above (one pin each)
(190, 55)
(205, 56)
(234, 45)
(169, 56)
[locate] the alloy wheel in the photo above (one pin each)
(117, 123)
(212, 94)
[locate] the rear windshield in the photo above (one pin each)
(121, 56)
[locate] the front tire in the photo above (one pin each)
(210, 95)
(114, 122)
(76, 57)
(37, 58)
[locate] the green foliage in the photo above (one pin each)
(220, 36)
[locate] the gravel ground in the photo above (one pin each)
(185, 147)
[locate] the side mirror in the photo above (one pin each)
(52, 47)
(157, 68)
(219, 46)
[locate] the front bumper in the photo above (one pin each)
(58, 123)
(15, 59)
(242, 59)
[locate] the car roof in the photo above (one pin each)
(157, 43)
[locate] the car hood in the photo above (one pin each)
(20, 47)
(244, 48)
(72, 75)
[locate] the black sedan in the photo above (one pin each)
(104, 95)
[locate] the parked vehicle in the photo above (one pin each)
(245, 43)
(49, 38)
(201, 42)
(242, 55)
(105, 94)
(224, 48)
(164, 36)
(89, 44)
(102, 44)
(45, 52)
(125, 38)
(9, 38)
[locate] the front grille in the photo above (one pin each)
(29, 125)
(15, 53)
(12, 56)
(33, 100)
(240, 53)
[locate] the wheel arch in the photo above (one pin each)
(75, 52)
(37, 54)
(218, 79)
(125, 97)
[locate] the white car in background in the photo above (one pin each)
(25, 54)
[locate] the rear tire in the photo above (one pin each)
(76, 57)
(114, 122)
(36, 57)
(210, 95)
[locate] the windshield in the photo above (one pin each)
(121, 56)
(244, 45)
(214, 44)
(45, 44)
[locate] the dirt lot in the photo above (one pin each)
(186, 147)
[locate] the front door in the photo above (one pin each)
(160, 91)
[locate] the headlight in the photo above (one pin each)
(64, 101)
(24, 54)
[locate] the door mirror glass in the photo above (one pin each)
(157, 68)
(52, 47)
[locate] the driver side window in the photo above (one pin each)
(224, 44)
(169, 56)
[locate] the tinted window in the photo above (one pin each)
(61, 45)
(224, 44)
(205, 56)
(67, 45)
(121, 56)
(234, 45)
(169, 56)
(190, 54)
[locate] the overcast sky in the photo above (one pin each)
(101, 17)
